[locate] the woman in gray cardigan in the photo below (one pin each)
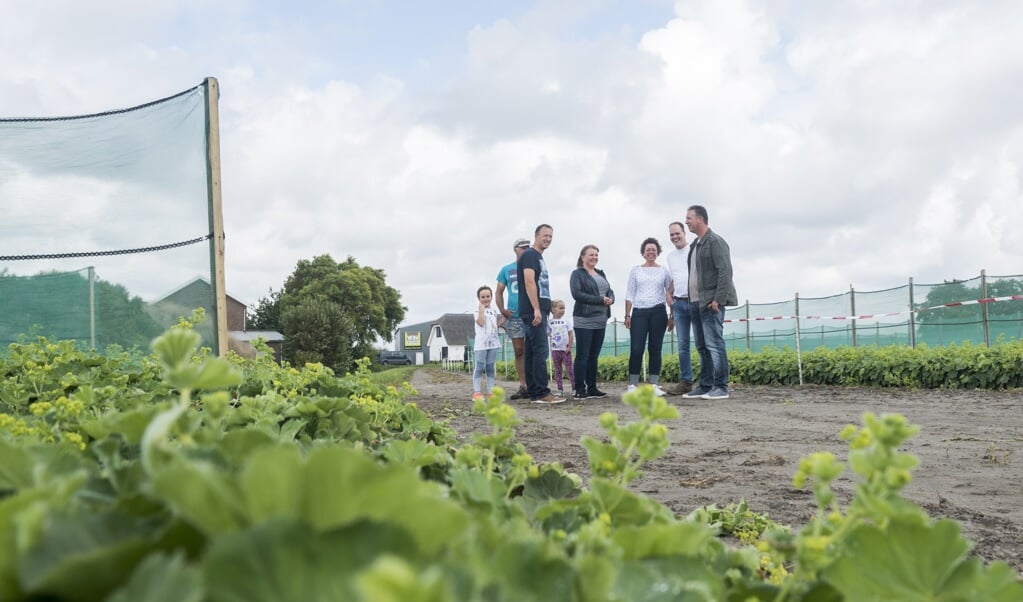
(593, 299)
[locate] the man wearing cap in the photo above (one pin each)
(534, 306)
(507, 279)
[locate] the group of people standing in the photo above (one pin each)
(689, 294)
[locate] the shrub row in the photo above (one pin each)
(963, 366)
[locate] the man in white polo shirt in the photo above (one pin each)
(678, 265)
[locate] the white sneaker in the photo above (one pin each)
(658, 391)
(630, 388)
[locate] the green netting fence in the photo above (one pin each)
(982, 310)
(107, 229)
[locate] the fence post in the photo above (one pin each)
(852, 308)
(912, 316)
(799, 354)
(92, 307)
(749, 343)
(671, 337)
(983, 308)
(614, 336)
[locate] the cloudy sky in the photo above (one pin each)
(833, 143)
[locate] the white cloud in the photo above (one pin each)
(831, 143)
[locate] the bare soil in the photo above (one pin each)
(748, 447)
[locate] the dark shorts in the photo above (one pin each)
(513, 326)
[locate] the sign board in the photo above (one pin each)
(413, 340)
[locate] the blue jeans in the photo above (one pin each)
(588, 342)
(710, 344)
(486, 360)
(536, 358)
(647, 329)
(682, 313)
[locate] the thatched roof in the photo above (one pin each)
(457, 328)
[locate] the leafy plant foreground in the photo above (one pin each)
(179, 476)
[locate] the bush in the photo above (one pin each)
(963, 366)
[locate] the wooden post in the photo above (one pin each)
(216, 215)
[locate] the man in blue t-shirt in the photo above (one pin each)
(534, 305)
(507, 279)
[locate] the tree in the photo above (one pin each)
(967, 322)
(949, 292)
(267, 315)
(123, 319)
(57, 305)
(371, 309)
(957, 290)
(318, 331)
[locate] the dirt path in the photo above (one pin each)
(970, 448)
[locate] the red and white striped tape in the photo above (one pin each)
(876, 316)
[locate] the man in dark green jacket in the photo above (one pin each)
(710, 290)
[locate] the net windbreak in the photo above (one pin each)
(105, 223)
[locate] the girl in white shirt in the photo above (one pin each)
(487, 321)
(559, 328)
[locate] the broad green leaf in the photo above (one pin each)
(131, 424)
(209, 374)
(597, 574)
(346, 427)
(677, 579)
(237, 445)
(345, 485)
(215, 373)
(908, 561)
(286, 560)
(10, 506)
(16, 466)
(84, 557)
(272, 483)
(174, 348)
(997, 582)
(566, 515)
(303, 406)
(679, 539)
(391, 579)
(416, 421)
(200, 494)
(161, 578)
(414, 452)
(289, 429)
(550, 485)
(124, 475)
(973, 582)
(532, 570)
(625, 507)
(473, 487)
(157, 432)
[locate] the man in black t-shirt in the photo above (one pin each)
(534, 305)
